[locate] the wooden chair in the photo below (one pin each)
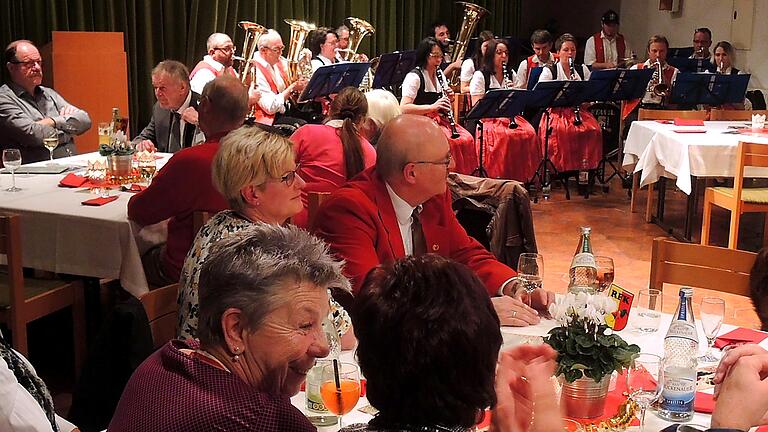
(734, 115)
(708, 267)
(23, 300)
(314, 200)
(737, 199)
(652, 114)
(162, 312)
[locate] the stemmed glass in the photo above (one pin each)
(50, 143)
(341, 387)
(530, 271)
(645, 382)
(712, 312)
(605, 272)
(12, 161)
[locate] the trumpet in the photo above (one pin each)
(449, 114)
(656, 84)
(574, 77)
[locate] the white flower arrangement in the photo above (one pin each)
(583, 306)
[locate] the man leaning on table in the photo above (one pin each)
(400, 207)
(30, 112)
(183, 186)
(174, 123)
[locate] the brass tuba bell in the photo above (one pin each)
(299, 66)
(253, 32)
(358, 29)
(472, 15)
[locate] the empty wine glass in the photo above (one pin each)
(341, 387)
(711, 317)
(12, 162)
(646, 314)
(605, 272)
(644, 382)
(530, 271)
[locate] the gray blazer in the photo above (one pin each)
(158, 132)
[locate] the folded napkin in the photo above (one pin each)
(134, 188)
(72, 180)
(704, 403)
(99, 201)
(740, 336)
(688, 122)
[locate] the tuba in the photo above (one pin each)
(253, 32)
(656, 84)
(358, 29)
(299, 66)
(472, 15)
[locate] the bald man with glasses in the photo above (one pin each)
(30, 112)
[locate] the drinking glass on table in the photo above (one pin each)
(605, 272)
(530, 271)
(648, 310)
(341, 387)
(711, 317)
(97, 177)
(51, 143)
(105, 132)
(645, 382)
(12, 162)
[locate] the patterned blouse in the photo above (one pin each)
(221, 226)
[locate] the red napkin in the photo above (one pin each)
(704, 403)
(134, 188)
(664, 121)
(688, 122)
(740, 336)
(689, 131)
(99, 201)
(72, 180)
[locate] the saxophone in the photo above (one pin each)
(574, 77)
(449, 114)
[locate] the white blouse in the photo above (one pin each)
(411, 84)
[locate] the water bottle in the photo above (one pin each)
(680, 347)
(583, 272)
(317, 413)
(584, 178)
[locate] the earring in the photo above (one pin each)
(236, 357)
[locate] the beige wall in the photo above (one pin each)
(642, 18)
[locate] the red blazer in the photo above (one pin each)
(359, 222)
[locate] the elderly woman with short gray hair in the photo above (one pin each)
(264, 294)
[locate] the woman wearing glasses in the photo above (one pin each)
(255, 171)
(331, 153)
(426, 94)
(510, 153)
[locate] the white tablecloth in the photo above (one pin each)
(61, 235)
(658, 150)
(649, 342)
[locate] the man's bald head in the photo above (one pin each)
(223, 105)
(405, 139)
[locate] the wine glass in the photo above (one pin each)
(647, 310)
(51, 143)
(645, 382)
(605, 272)
(12, 162)
(530, 271)
(712, 312)
(341, 387)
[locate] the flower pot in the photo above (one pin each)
(120, 169)
(584, 398)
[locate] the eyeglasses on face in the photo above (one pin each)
(28, 63)
(289, 177)
(276, 50)
(226, 49)
(446, 161)
(435, 54)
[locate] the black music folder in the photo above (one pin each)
(709, 89)
(613, 85)
(330, 79)
(392, 69)
(500, 103)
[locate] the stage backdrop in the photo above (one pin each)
(177, 29)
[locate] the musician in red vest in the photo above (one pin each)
(658, 46)
(216, 63)
(607, 48)
(272, 80)
(541, 42)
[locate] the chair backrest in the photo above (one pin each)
(699, 266)
(653, 114)
(748, 155)
(734, 115)
(10, 246)
(200, 218)
(162, 312)
(314, 200)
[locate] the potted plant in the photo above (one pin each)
(588, 352)
(119, 154)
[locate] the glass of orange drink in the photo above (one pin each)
(340, 388)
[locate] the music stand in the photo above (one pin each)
(616, 85)
(533, 76)
(709, 89)
(546, 95)
(496, 103)
(330, 79)
(692, 64)
(392, 69)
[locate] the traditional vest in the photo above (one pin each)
(217, 73)
(261, 115)
(632, 104)
(424, 97)
(600, 49)
(531, 64)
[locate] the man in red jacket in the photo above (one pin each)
(401, 207)
(183, 186)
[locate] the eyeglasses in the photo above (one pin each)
(290, 176)
(435, 54)
(226, 49)
(276, 50)
(446, 161)
(28, 64)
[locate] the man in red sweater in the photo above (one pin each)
(401, 207)
(183, 186)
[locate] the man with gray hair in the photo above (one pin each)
(184, 186)
(174, 117)
(30, 112)
(216, 63)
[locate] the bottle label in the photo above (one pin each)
(683, 330)
(583, 259)
(679, 390)
(314, 378)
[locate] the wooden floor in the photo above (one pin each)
(619, 234)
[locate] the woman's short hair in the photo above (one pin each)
(255, 269)
(249, 155)
(565, 37)
(382, 106)
(727, 47)
(656, 39)
(424, 49)
(318, 37)
(428, 339)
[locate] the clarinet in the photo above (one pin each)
(449, 114)
(506, 85)
(576, 109)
